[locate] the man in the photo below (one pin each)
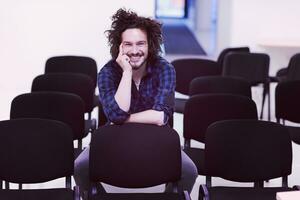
(137, 85)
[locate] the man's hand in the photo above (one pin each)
(123, 60)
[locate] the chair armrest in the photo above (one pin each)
(204, 192)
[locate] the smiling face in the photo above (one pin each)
(135, 46)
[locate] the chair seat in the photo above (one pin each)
(295, 134)
(197, 155)
(45, 194)
(137, 196)
(179, 105)
(244, 193)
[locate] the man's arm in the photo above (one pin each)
(148, 117)
(123, 93)
(164, 100)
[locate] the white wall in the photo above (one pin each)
(31, 31)
(270, 26)
(203, 15)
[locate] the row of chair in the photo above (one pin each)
(65, 93)
(233, 62)
(79, 65)
(36, 150)
(233, 149)
(217, 98)
(237, 150)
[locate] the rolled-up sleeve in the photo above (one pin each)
(164, 100)
(108, 84)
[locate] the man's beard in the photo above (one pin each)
(139, 55)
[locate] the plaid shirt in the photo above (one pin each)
(156, 91)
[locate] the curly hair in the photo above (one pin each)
(123, 20)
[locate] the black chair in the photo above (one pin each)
(79, 84)
(73, 64)
(247, 151)
(64, 107)
(291, 72)
(287, 98)
(135, 155)
(77, 64)
(203, 110)
(189, 68)
(220, 84)
(254, 67)
(228, 50)
(36, 151)
(186, 71)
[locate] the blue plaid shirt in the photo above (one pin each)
(156, 91)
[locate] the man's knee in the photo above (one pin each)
(189, 168)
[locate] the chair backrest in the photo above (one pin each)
(79, 84)
(287, 98)
(202, 110)
(64, 107)
(35, 150)
(135, 155)
(248, 150)
(220, 84)
(188, 69)
(253, 67)
(294, 68)
(225, 51)
(73, 64)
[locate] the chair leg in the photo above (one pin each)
(263, 100)
(79, 144)
(259, 184)
(208, 181)
(284, 181)
(6, 185)
(269, 101)
(187, 143)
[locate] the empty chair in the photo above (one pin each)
(135, 156)
(294, 68)
(220, 84)
(254, 67)
(77, 64)
(287, 98)
(247, 151)
(36, 151)
(189, 68)
(79, 84)
(291, 72)
(228, 50)
(64, 107)
(203, 110)
(73, 64)
(186, 71)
